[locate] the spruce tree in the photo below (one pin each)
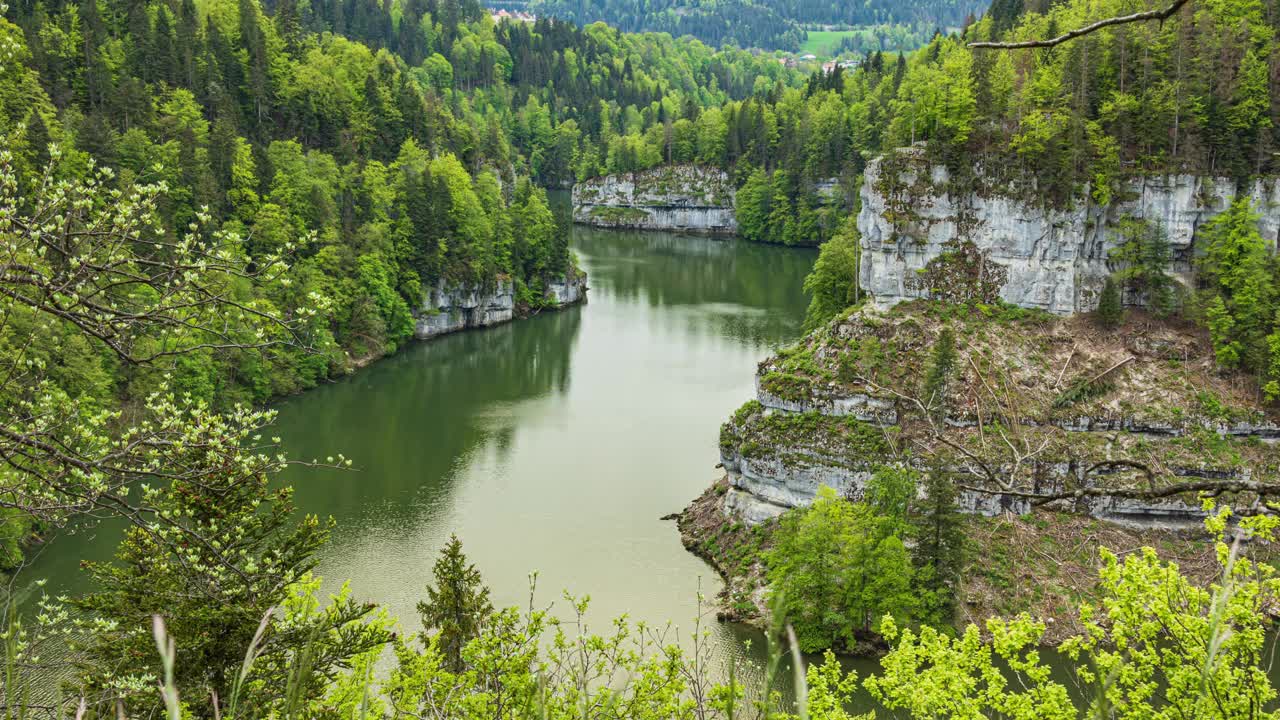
(225, 551)
(287, 23)
(1145, 258)
(939, 547)
(941, 364)
(457, 605)
(38, 140)
(1110, 309)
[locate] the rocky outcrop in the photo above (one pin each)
(448, 308)
(1056, 258)
(677, 198)
(847, 401)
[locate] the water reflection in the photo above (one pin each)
(557, 443)
(409, 421)
(736, 290)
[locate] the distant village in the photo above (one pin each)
(828, 67)
(513, 15)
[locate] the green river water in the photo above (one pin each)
(551, 444)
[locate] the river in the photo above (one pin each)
(551, 444)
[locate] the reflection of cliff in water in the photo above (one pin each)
(734, 288)
(410, 421)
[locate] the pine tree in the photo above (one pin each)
(939, 547)
(941, 364)
(287, 23)
(1110, 309)
(215, 600)
(1145, 258)
(780, 210)
(188, 23)
(162, 54)
(37, 140)
(259, 79)
(457, 606)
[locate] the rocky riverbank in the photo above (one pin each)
(1043, 563)
(1060, 437)
(1038, 412)
(448, 308)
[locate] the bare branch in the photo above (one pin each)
(1161, 15)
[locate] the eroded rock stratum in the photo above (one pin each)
(1037, 412)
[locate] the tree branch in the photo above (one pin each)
(1161, 15)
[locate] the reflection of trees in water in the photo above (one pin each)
(411, 420)
(716, 278)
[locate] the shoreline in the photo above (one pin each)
(35, 536)
(1045, 564)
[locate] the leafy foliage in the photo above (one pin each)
(1154, 644)
(835, 573)
(833, 284)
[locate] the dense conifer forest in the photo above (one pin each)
(392, 168)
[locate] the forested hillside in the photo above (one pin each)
(406, 155)
(760, 23)
(1066, 125)
(1196, 94)
(401, 144)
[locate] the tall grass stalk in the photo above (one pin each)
(250, 657)
(168, 657)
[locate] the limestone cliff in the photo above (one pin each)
(1038, 412)
(448, 308)
(678, 198)
(1056, 258)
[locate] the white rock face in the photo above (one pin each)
(677, 198)
(766, 482)
(447, 309)
(1056, 259)
(568, 291)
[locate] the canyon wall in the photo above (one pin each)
(1056, 258)
(676, 198)
(447, 308)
